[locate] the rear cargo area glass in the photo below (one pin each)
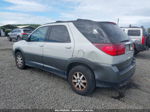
(113, 32)
(92, 31)
(100, 32)
(27, 31)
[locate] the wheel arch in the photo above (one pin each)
(78, 62)
(17, 50)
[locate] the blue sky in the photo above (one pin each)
(134, 12)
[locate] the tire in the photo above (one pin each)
(86, 84)
(20, 61)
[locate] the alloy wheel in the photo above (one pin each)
(19, 60)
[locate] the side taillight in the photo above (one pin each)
(143, 40)
(111, 49)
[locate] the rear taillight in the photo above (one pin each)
(111, 49)
(143, 40)
(24, 34)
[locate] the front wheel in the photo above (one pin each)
(20, 62)
(82, 80)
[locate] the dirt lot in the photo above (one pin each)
(33, 88)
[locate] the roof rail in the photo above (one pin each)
(59, 21)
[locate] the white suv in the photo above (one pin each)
(19, 34)
(87, 53)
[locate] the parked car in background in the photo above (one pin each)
(138, 36)
(87, 53)
(19, 34)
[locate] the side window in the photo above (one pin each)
(17, 31)
(59, 33)
(13, 31)
(39, 34)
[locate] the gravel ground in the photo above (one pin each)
(35, 89)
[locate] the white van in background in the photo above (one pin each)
(138, 36)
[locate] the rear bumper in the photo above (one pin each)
(111, 76)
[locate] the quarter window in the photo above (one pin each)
(39, 34)
(59, 33)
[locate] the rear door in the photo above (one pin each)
(58, 48)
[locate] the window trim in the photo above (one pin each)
(49, 34)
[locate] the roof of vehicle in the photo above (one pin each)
(79, 20)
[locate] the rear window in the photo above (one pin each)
(97, 32)
(92, 31)
(134, 32)
(114, 33)
(27, 31)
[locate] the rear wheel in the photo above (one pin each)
(82, 80)
(20, 61)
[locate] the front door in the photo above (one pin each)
(34, 47)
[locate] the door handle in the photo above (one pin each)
(69, 47)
